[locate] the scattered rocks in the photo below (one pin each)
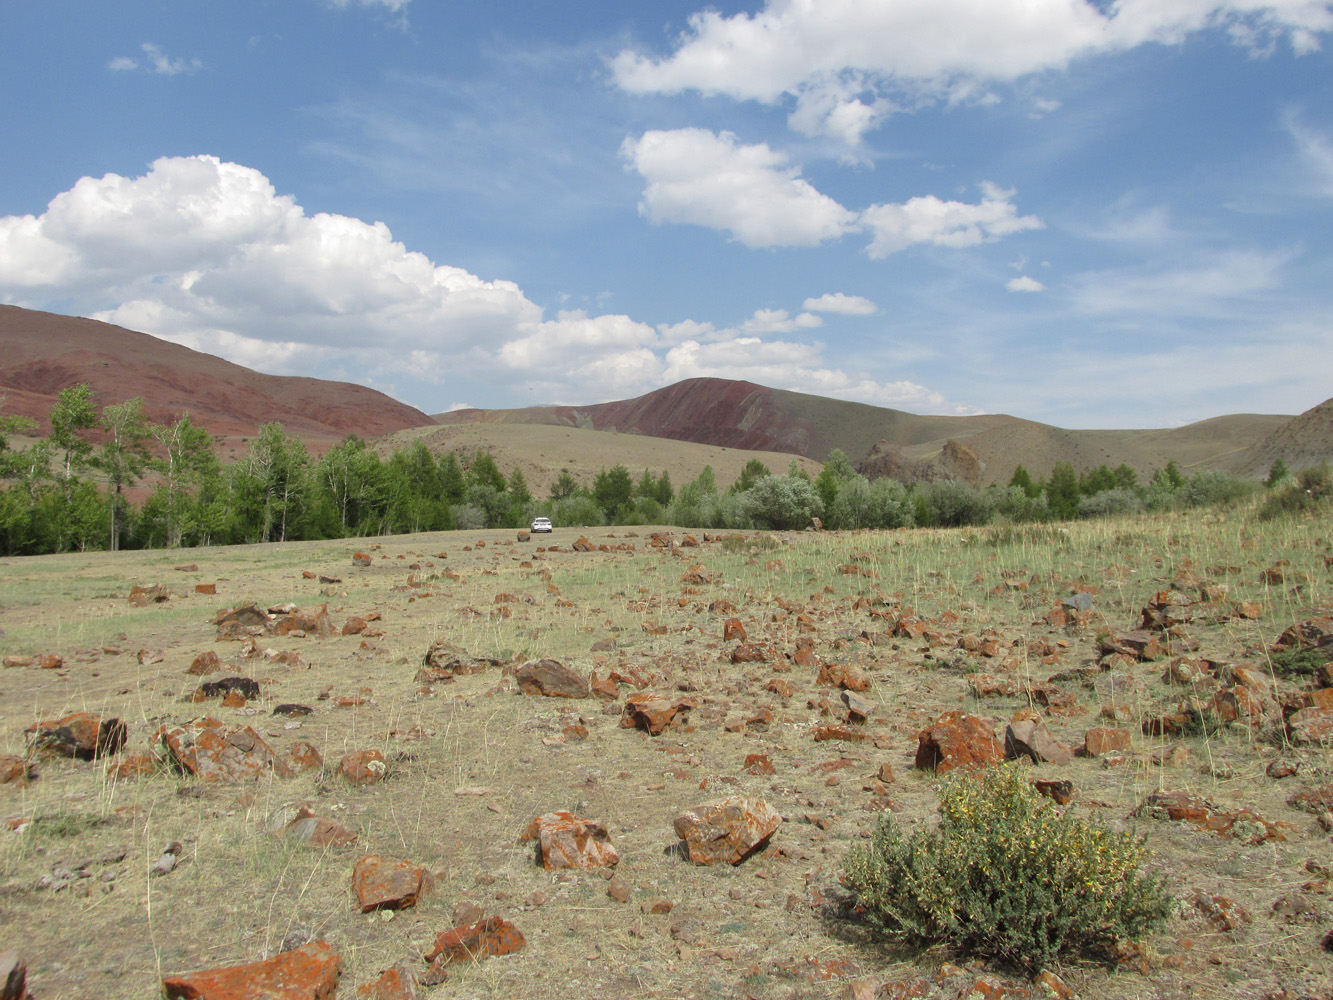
(552, 679)
(1183, 807)
(728, 830)
(568, 841)
(389, 883)
(310, 972)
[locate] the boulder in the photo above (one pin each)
(310, 972)
(1030, 738)
(733, 630)
(364, 767)
(445, 660)
(388, 883)
(652, 713)
(299, 824)
(311, 621)
(551, 678)
(728, 830)
(1103, 739)
(208, 750)
(205, 663)
(957, 740)
(568, 841)
(82, 735)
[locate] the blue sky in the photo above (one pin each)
(1092, 214)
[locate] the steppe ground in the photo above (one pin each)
(472, 761)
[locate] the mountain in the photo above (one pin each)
(1303, 441)
(42, 353)
(982, 449)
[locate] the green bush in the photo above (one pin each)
(1312, 490)
(1006, 876)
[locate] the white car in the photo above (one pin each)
(541, 524)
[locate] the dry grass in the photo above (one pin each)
(755, 930)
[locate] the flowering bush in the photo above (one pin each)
(1006, 876)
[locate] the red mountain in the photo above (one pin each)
(42, 353)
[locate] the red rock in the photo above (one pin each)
(605, 689)
(1052, 987)
(652, 713)
(445, 660)
(304, 756)
(18, 661)
(393, 984)
(1101, 739)
(849, 734)
(209, 751)
(50, 661)
(1311, 725)
(205, 663)
(758, 763)
(133, 765)
(781, 688)
(728, 830)
(957, 740)
(552, 679)
(354, 626)
(733, 630)
(363, 767)
(388, 883)
(492, 936)
(849, 678)
(14, 770)
(302, 826)
(583, 545)
(83, 735)
(1030, 738)
(310, 972)
(1139, 645)
(141, 596)
(1314, 800)
(13, 977)
(567, 841)
(1307, 634)
(1060, 792)
(749, 652)
(361, 559)
(310, 621)
(207, 589)
(1182, 807)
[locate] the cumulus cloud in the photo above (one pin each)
(845, 64)
(697, 177)
(154, 60)
(928, 219)
(837, 302)
(1024, 284)
(207, 254)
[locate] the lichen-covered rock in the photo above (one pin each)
(728, 830)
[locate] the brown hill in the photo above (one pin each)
(1303, 441)
(881, 441)
(42, 353)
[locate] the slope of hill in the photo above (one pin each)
(883, 441)
(1301, 442)
(42, 353)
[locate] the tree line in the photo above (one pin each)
(71, 490)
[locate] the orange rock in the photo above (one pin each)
(1102, 739)
(957, 740)
(492, 936)
(363, 767)
(206, 749)
(733, 630)
(310, 972)
(83, 735)
(205, 663)
(567, 841)
(388, 883)
(728, 830)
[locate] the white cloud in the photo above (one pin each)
(927, 219)
(837, 302)
(155, 61)
(1210, 287)
(1024, 284)
(1316, 148)
(696, 177)
(846, 63)
(206, 254)
(396, 6)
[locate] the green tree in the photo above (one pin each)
(1062, 493)
(186, 461)
(353, 477)
(836, 471)
(1276, 472)
(754, 471)
(1125, 477)
(1023, 480)
(613, 489)
(564, 487)
(1099, 479)
(484, 472)
(664, 493)
(122, 457)
(452, 481)
(72, 414)
(520, 498)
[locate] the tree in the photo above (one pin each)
(1062, 492)
(754, 471)
(520, 497)
(783, 503)
(452, 481)
(187, 460)
(664, 493)
(484, 472)
(1023, 480)
(1096, 481)
(72, 414)
(564, 487)
(1125, 477)
(1276, 472)
(122, 457)
(613, 489)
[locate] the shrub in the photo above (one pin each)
(1005, 876)
(783, 503)
(1110, 503)
(1206, 489)
(1311, 491)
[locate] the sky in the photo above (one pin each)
(1084, 212)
